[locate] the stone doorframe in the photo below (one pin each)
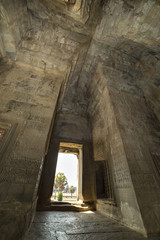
(49, 168)
(77, 149)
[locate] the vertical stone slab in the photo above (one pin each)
(125, 197)
(28, 101)
(138, 127)
(48, 173)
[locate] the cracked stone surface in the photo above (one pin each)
(86, 73)
(73, 225)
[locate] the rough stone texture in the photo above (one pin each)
(125, 132)
(76, 129)
(87, 225)
(16, 217)
(13, 25)
(136, 22)
(52, 45)
(28, 101)
(100, 61)
(110, 146)
(130, 136)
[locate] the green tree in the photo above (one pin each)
(60, 181)
(72, 190)
(60, 196)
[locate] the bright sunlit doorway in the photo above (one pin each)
(68, 176)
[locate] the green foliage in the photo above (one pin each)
(60, 181)
(72, 190)
(60, 196)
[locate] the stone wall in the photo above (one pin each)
(14, 25)
(76, 129)
(124, 131)
(139, 129)
(72, 125)
(132, 20)
(51, 44)
(105, 58)
(28, 102)
(124, 106)
(108, 145)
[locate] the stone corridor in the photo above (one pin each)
(82, 77)
(78, 226)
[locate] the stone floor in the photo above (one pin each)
(78, 226)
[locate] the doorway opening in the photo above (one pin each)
(68, 177)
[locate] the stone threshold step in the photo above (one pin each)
(63, 206)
